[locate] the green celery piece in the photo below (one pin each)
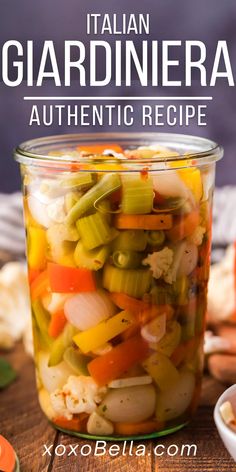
(93, 259)
(41, 341)
(78, 180)
(130, 240)
(95, 231)
(42, 319)
(105, 186)
(76, 361)
(133, 282)
(137, 195)
(63, 341)
(127, 259)
(7, 373)
(156, 238)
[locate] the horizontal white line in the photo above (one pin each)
(118, 98)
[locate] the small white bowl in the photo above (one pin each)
(227, 435)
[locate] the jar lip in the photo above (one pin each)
(209, 151)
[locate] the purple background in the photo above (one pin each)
(59, 20)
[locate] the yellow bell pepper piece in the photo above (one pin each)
(191, 176)
(109, 167)
(161, 369)
(98, 335)
(37, 246)
(192, 179)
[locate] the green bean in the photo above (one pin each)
(130, 240)
(60, 345)
(71, 198)
(181, 289)
(127, 259)
(155, 238)
(76, 361)
(106, 185)
(42, 319)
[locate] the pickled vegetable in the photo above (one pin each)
(85, 310)
(60, 344)
(132, 282)
(119, 360)
(52, 377)
(99, 426)
(161, 369)
(118, 265)
(37, 246)
(106, 185)
(101, 333)
(130, 240)
(95, 231)
(132, 404)
(171, 339)
(137, 195)
(91, 259)
(76, 361)
(173, 402)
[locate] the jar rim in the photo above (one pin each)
(198, 150)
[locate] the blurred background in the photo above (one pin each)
(59, 20)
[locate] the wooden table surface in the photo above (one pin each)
(23, 424)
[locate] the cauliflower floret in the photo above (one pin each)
(197, 236)
(59, 405)
(178, 253)
(14, 300)
(56, 210)
(160, 262)
(80, 394)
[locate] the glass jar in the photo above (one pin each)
(118, 247)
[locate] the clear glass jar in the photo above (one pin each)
(118, 247)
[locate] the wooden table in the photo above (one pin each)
(22, 422)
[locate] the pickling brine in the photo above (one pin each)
(118, 248)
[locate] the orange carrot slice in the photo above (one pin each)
(148, 222)
(99, 148)
(112, 365)
(133, 429)
(75, 424)
(7, 456)
(126, 302)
